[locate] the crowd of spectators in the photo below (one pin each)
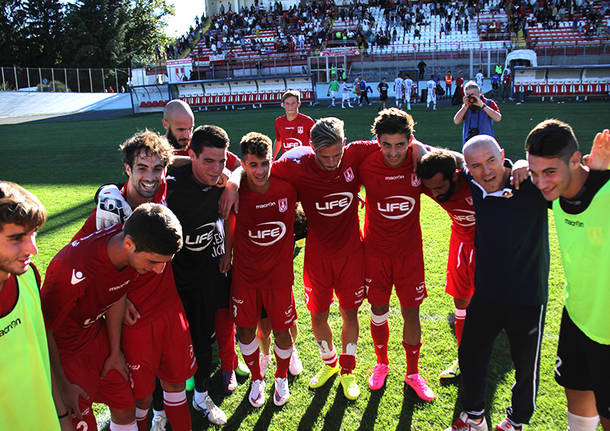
(184, 42)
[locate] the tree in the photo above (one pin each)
(95, 33)
(147, 19)
(12, 18)
(42, 33)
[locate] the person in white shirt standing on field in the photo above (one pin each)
(431, 86)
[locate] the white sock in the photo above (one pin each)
(582, 423)
(200, 396)
(129, 427)
(141, 414)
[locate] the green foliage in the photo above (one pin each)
(12, 31)
(43, 32)
(64, 162)
(145, 30)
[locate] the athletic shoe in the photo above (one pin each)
(452, 372)
(350, 387)
(158, 423)
(257, 393)
(377, 378)
(420, 386)
(264, 363)
(463, 423)
(506, 425)
(281, 393)
(210, 410)
(296, 366)
(229, 381)
(322, 376)
(242, 369)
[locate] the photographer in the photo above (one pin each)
(477, 112)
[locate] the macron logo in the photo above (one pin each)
(77, 277)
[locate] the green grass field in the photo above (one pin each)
(64, 162)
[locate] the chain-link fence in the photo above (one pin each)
(79, 80)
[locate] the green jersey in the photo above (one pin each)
(334, 85)
(584, 240)
(26, 401)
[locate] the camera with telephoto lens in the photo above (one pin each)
(472, 99)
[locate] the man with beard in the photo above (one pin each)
(446, 184)
(154, 306)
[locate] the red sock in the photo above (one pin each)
(251, 354)
(460, 318)
(412, 358)
(347, 362)
(225, 337)
(381, 335)
(177, 410)
(282, 359)
(141, 419)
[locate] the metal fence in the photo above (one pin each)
(78, 80)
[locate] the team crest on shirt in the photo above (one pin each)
(282, 205)
(348, 174)
(415, 180)
(300, 129)
(469, 200)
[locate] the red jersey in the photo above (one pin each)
(151, 293)
(330, 199)
(460, 209)
(80, 285)
(264, 236)
(391, 221)
(295, 133)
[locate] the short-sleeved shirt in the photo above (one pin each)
(460, 208)
(391, 221)
(511, 244)
(196, 206)
(431, 85)
(150, 292)
(295, 133)
(329, 199)
(80, 285)
(383, 90)
(264, 236)
(398, 85)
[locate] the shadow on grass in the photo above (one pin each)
(315, 407)
(410, 401)
(66, 217)
(499, 365)
(334, 416)
(370, 413)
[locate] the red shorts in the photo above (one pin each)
(247, 304)
(84, 368)
(344, 275)
(460, 269)
(160, 347)
(405, 271)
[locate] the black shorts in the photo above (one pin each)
(583, 364)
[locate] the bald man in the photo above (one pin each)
(511, 284)
(178, 121)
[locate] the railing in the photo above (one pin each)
(80, 80)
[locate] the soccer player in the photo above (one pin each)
(292, 129)
(399, 90)
(431, 86)
(393, 242)
(333, 89)
(383, 87)
(581, 199)
(511, 228)
(408, 84)
(200, 267)
(346, 94)
(178, 121)
(88, 279)
(155, 339)
(25, 373)
(263, 242)
(326, 182)
(446, 184)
